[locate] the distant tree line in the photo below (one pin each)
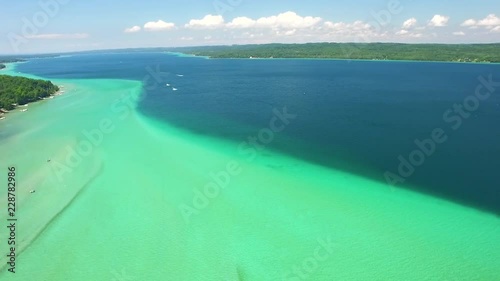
(21, 90)
(366, 51)
(7, 60)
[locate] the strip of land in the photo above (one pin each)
(4, 60)
(16, 91)
(482, 53)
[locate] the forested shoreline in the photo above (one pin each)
(362, 51)
(20, 90)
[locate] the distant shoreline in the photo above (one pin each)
(454, 53)
(5, 62)
(482, 53)
(338, 59)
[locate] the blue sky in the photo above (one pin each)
(43, 26)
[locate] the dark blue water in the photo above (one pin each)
(355, 116)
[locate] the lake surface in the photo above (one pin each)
(155, 166)
(357, 116)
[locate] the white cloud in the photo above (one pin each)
(469, 22)
(242, 22)
(490, 20)
(287, 21)
(158, 25)
(59, 36)
(357, 31)
(409, 23)
(293, 28)
(439, 21)
(347, 27)
(416, 35)
(407, 34)
(208, 22)
(132, 29)
(250, 35)
(290, 27)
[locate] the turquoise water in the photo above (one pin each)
(137, 206)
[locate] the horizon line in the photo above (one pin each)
(230, 45)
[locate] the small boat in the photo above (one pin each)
(174, 89)
(168, 85)
(32, 191)
(24, 110)
(180, 75)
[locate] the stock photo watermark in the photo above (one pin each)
(120, 110)
(384, 17)
(454, 117)
(309, 265)
(223, 6)
(249, 148)
(381, 19)
(121, 276)
(31, 26)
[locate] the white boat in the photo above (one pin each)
(24, 110)
(168, 85)
(180, 75)
(174, 89)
